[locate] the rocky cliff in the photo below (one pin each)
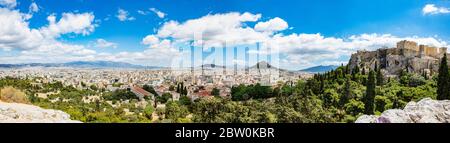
(23, 113)
(424, 111)
(406, 56)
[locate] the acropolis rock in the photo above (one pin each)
(407, 55)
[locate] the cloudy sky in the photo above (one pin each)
(303, 33)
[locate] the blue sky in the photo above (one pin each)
(319, 28)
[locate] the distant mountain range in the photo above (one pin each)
(111, 64)
(212, 66)
(319, 69)
(81, 64)
(259, 65)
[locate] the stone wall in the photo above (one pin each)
(410, 48)
(408, 45)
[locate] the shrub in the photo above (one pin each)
(10, 94)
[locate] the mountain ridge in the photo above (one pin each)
(81, 64)
(320, 68)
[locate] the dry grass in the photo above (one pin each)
(10, 94)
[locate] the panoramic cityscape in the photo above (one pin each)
(224, 62)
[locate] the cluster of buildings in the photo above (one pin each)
(198, 82)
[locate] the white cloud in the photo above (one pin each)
(33, 8)
(102, 43)
(298, 49)
(41, 44)
(150, 40)
(142, 12)
(213, 30)
(15, 33)
(432, 9)
(8, 3)
(69, 23)
(273, 25)
(157, 12)
(314, 49)
(123, 15)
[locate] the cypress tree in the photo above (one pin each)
(380, 78)
(443, 80)
(396, 103)
(370, 94)
(347, 93)
(185, 91)
(355, 70)
(347, 71)
(376, 66)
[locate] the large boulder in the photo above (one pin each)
(424, 111)
(24, 113)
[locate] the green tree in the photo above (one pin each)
(174, 111)
(185, 91)
(185, 100)
(178, 88)
(345, 97)
(286, 90)
(93, 87)
(164, 98)
(443, 80)
(171, 88)
(380, 77)
(370, 94)
(148, 111)
(215, 92)
(150, 89)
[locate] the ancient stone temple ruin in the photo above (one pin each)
(410, 48)
(408, 56)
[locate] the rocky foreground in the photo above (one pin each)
(23, 113)
(424, 111)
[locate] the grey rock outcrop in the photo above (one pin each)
(424, 111)
(23, 113)
(406, 56)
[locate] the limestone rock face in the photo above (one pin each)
(424, 111)
(416, 59)
(23, 113)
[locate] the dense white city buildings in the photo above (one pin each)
(199, 81)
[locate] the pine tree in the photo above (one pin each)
(370, 94)
(443, 80)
